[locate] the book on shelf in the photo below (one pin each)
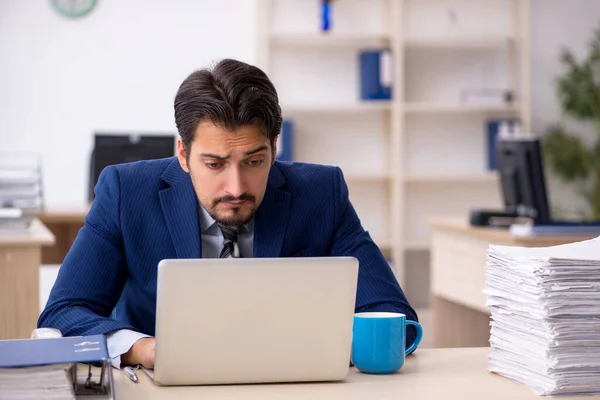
(375, 74)
(497, 128)
(285, 142)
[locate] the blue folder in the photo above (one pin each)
(374, 86)
(554, 228)
(285, 143)
(65, 350)
(493, 129)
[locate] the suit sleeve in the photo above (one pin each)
(94, 272)
(378, 288)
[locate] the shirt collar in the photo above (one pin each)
(209, 226)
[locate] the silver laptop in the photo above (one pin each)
(254, 320)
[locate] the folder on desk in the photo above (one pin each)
(556, 228)
(31, 367)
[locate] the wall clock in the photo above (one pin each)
(73, 8)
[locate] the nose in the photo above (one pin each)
(234, 185)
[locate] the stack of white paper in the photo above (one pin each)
(21, 181)
(43, 382)
(545, 309)
(21, 195)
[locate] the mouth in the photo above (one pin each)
(234, 204)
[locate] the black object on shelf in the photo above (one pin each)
(111, 149)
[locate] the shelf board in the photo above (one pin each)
(484, 177)
(460, 41)
(424, 107)
(416, 245)
(368, 177)
(384, 244)
(379, 105)
(329, 39)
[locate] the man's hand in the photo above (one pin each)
(142, 353)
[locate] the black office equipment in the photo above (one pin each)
(522, 181)
(110, 149)
(522, 177)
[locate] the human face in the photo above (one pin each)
(229, 170)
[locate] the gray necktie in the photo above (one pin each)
(230, 236)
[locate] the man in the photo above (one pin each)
(224, 195)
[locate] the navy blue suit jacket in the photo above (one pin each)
(148, 211)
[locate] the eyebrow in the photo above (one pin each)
(223, 158)
(257, 150)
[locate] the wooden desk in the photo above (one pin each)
(20, 259)
(64, 222)
(427, 374)
(459, 317)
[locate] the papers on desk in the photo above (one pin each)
(21, 195)
(44, 382)
(545, 309)
(13, 221)
(21, 181)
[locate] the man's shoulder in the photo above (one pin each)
(144, 169)
(308, 178)
(294, 171)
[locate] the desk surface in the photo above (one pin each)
(65, 214)
(427, 374)
(499, 235)
(38, 234)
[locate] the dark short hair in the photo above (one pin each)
(232, 94)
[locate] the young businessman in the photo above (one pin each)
(224, 195)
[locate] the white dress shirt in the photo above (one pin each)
(119, 342)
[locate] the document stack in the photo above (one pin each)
(20, 191)
(545, 316)
(46, 382)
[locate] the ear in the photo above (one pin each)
(274, 149)
(182, 156)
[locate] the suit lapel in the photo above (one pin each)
(271, 218)
(180, 208)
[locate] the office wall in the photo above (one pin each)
(556, 24)
(116, 69)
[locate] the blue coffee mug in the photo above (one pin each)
(379, 341)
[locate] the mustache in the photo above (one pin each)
(227, 199)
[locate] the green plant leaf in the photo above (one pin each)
(578, 89)
(566, 155)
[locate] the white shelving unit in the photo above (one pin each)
(350, 108)
(317, 39)
(423, 153)
(457, 42)
(441, 108)
(488, 177)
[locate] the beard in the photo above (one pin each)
(238, 217)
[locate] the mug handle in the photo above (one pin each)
(417, 339)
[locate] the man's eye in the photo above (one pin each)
(214, 165)
(255, 163)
